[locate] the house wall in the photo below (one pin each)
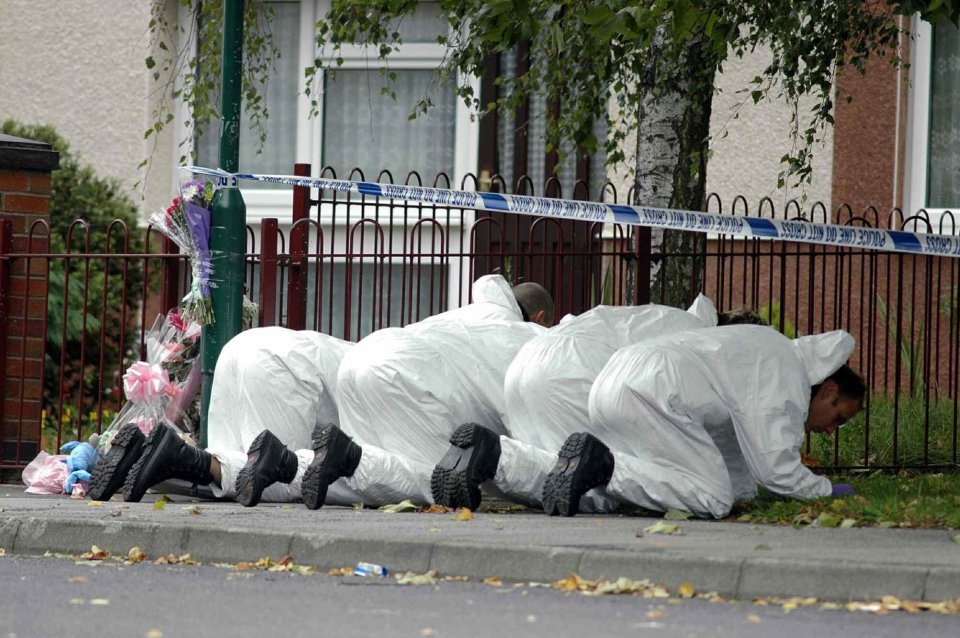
(747, 141)
(79, 66)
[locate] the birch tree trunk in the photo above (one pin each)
(671, 162)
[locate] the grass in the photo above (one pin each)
(882, 500)
(855, 448)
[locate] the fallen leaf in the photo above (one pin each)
(847, 523)
(76, 601)
(763, 547)
(463, 514)
(753, 618)
(196, 510)
(686, 590)
(161, 502)
(827, 520)
(745, 518)
(136, 555)
(434, 530)
(435, 509)
(662, 528)
(103, 602)
(3, 552)
(357, 507)
(410, 578)
(956, 539)
(397, 508)
(886, 524)
(656, 613)
(340, 571)
(95, 553)
(427, 631)
(154, 633)
(493, 581)
(531, 618)
(245, 567)
(676, 515)
(80, 580)
(94, 503)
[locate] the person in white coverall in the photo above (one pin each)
(547, 387)
(266, 378)
(411, 390)
(273, 411)
(696, 420)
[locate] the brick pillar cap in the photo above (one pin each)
(17, 153)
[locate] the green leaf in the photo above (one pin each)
(676, 515)
(161, 502)
(150, 62)
(827, 520)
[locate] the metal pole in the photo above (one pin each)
(228, 215)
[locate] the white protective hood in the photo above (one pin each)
(406, 389)
(747, 387)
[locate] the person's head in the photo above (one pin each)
(535, 303)
(835, 401)
(740, 316)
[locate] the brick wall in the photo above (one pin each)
(25, 169)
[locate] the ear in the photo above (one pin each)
(539, 317)
(830, 391)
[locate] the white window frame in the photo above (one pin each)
(918, 132)
(262, 202)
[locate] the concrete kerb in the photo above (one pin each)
(743, 578)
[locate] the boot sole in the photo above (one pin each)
(320, 474)
(132, 490)
(473, 458)
(110, 473)
(250, 481)
(584, 463)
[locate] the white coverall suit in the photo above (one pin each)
(285, 381)
(547, 387)
(697, 420)
(405, 390)
(271, 379)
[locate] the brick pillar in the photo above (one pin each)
(25, 168)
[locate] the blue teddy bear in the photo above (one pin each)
(81, 460)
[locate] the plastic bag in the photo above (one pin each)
(164, 388)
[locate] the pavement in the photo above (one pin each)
(737, 560)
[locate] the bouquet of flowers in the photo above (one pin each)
(164, 388)
(186, 221)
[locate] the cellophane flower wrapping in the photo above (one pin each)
(163, 389)
(186, 221)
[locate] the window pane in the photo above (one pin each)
(366, 129)
(280, 98)
(943, 187)
(426, 23)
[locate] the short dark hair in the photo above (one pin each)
(849, 383)
(741, 316)
(532, 298)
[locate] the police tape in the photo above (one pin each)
(856, 237)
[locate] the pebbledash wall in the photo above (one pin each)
(25, 168)
(79, 66)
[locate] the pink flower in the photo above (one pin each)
(175, 317)
(173, 352)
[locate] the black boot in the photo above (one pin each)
(334, 455)
(268, 461)
(583, 464)
(472, 459)
(111, 471)
(166, 456)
